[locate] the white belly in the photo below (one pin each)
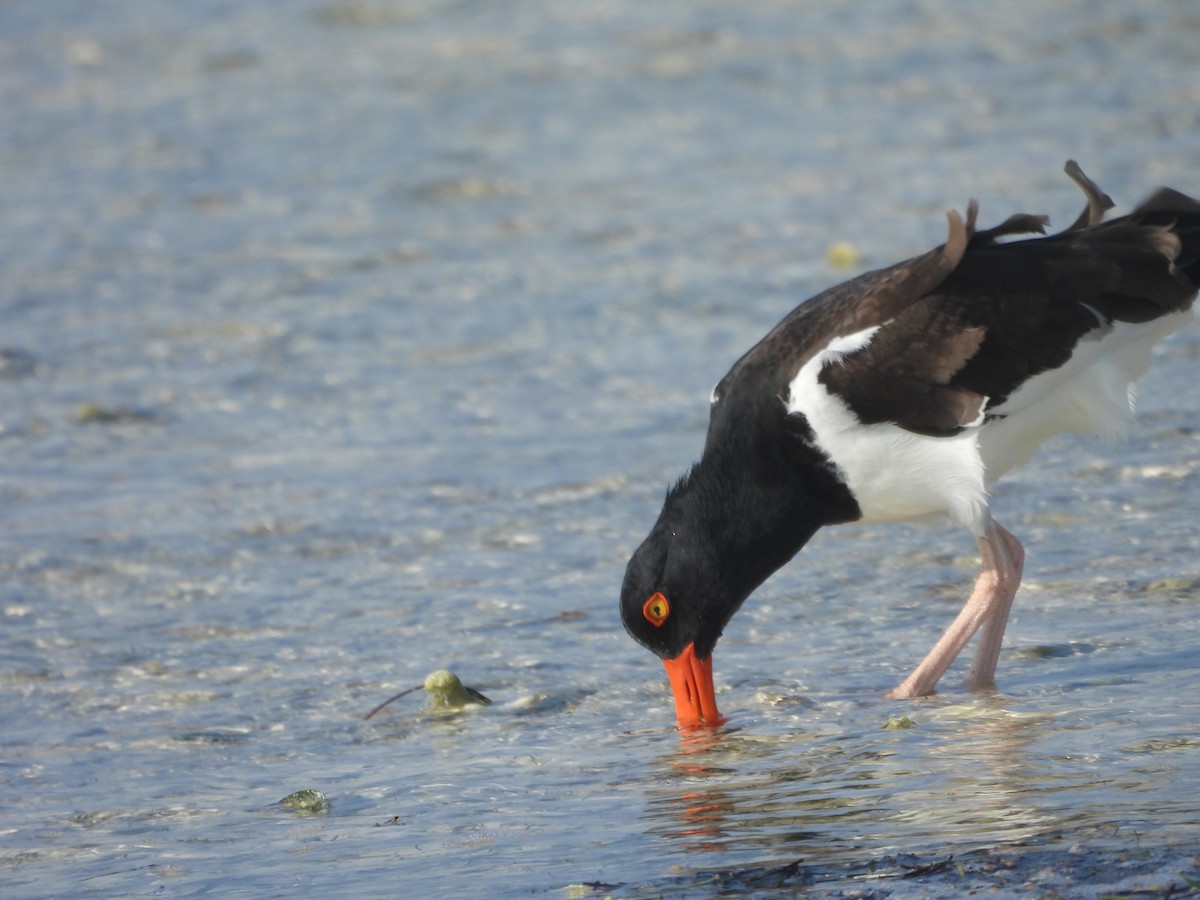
(893, 473)
(1092, 394)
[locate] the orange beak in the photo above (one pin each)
(692, 683)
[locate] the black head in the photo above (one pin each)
(672, 594)
(722, 532)
(717, 539)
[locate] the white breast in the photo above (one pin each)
(893, 473)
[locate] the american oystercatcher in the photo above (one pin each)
(903, 394)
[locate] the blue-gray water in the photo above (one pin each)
(344, 341)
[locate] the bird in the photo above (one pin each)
(903, 394)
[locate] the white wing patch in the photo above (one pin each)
(843, 346)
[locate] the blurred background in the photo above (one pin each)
(345, 341)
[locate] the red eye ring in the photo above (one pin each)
(656, 609)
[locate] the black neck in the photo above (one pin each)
(752, 502)
(757, 515)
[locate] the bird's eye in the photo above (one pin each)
(656, 609)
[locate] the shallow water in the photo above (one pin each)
(345, 341)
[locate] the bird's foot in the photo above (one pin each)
(909, 689)
(981, 685)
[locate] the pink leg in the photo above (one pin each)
(987, 607)
(987, 652)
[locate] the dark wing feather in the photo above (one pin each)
(907, 373)
(1010, 311)
(993, 323)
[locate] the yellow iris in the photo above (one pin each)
(656, 609)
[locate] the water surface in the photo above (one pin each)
(346, 341)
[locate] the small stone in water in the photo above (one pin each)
(898, 723)
(309, 801)
(92, 414)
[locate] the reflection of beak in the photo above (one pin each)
(692, 683)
